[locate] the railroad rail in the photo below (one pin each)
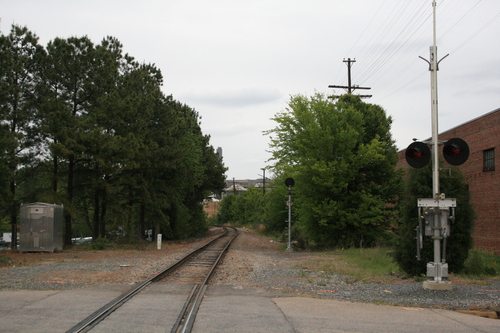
(195, 268)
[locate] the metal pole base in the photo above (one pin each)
(433, 285)
(437, 276)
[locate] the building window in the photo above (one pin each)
(489, 159)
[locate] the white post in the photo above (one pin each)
(434, 96)
(158, 241)
(289, 245)
(435, 152)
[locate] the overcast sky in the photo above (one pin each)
(237, 62)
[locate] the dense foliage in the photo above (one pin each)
(418, 184)
(256, 208)
(342, 157)
(86, 126)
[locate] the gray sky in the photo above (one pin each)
(237, 62)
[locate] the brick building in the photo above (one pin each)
(483, 137)
(211, 208)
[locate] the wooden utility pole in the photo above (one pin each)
(350, 87)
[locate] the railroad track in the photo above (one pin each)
(195, 269)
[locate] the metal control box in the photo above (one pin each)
(41, 228)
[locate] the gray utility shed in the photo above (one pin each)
(41, 227)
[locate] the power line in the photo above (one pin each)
(477, 32)
(462, 18)
(394, 35)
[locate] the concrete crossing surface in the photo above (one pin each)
(227, 309)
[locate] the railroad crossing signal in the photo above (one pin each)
(418, 155)
(455, 152)
(435, 214)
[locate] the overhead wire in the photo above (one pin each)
(367, 26)
(477, 32)
(401, 87)
(413, 46)
(381, 35)
(400, 34)
(393, 48)
(375, 35)
(360, 36)
(390, 37)
(449, 10)
(461, 18)
(398, 44)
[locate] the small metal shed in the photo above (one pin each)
(41, 227)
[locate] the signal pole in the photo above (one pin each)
(350, 88)
(289, 182)
(437, 209)
(435, 214)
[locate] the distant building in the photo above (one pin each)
(483, 137)
(235, 189)
(240, 186)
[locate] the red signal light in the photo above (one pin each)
(456, 151)
(418, 155)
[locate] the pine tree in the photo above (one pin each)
(19, 52)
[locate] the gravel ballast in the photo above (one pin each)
(251, 261)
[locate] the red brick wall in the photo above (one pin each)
(211, 208)
(480, 134)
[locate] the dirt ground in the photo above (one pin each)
(84, 254)
(250, 251)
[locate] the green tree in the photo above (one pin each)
(230, 209)
(19, 52)
(275, 207)
(67, 97)
(88, 127)
(342, 158)
(418, 184)
(198, 173)
(121, 144)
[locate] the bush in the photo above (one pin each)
(481, 263)
(419, 185)
(100, 244)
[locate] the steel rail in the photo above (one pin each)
(190, 315)
(99, 315)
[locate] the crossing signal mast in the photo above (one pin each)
(436, 214)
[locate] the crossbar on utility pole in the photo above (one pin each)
(350, 87)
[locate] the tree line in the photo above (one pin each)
(87, 126)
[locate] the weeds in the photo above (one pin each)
(4, 261)
(376, 260)
(374, 265)
(100, 244)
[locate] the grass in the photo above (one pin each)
(374, 265)
(377, 260)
